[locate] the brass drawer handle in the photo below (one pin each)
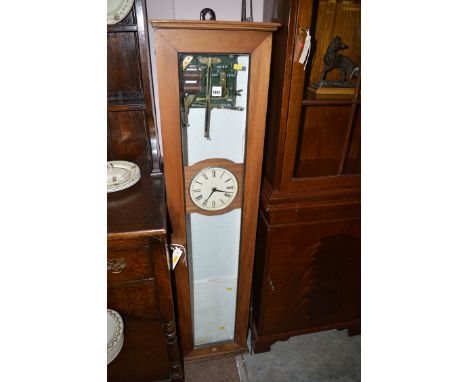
(116, 265)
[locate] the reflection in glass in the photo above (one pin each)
(213, 92)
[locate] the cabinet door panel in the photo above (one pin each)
(321, 140)
(314, 275)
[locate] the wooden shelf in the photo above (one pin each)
(329, 99)
(122, 28)
(126, 105)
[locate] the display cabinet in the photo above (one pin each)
(307, 262)
(213, 83)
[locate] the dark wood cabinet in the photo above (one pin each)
(307, 264)
(131, 133)
(139, 285)
(138, 277)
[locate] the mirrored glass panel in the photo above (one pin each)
(213, 90)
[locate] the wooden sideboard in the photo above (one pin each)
(138, 277)
(139, 285)
(307, 260)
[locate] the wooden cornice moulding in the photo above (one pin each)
(214, 25)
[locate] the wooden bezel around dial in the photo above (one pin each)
(235, 168)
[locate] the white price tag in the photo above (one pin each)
(176, 256)
(216, 91)
(305, 51)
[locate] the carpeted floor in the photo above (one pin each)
(217, 370)
(330, 356)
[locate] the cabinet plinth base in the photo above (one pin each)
(262, 343)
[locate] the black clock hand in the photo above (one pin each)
(213, 190)
(216, 190)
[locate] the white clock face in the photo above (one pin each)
(213, 188)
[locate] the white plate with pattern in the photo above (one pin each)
(117, 10)
(115, 334)
(121, 175)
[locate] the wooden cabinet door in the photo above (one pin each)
(313, 276)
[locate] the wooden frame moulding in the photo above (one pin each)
(174, 37)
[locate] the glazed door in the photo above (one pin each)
(322, 145)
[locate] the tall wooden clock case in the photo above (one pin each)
(213, 83)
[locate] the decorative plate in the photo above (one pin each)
(115, 335)
(117, 10)
(121, 175)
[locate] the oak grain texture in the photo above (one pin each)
(138, 264)
(202, 37)
(134, 299)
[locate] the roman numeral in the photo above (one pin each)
(230, 187)
(204, 175)
(199, 183)
(205, 202)
(213, 172)
(222, 174)
(213, 204)
(226, 194)
(227, 180)
(221, 200)
(198, 190)
(199, 197)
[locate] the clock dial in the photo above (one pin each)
(213, 188)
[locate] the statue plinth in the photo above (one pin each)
(332, 87)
